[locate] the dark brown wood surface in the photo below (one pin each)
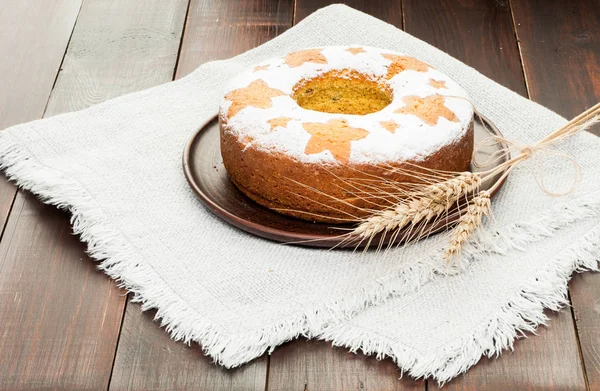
(33, 41)
(146, 358)
(388, 11)
(560, 46)
(33, 44)
(66, 326)
(585, 297)
(477, 32)
(218, 29)
(27, 74)
(61, 316)
(315, 365)
(550, 360)
(311, 365)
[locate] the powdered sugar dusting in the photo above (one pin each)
(412, 140)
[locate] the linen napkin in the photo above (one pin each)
(117, 167)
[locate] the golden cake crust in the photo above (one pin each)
(311, 191)
(303, 134)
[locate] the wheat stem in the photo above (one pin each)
(478, 207)
(424, 204)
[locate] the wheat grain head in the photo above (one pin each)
(478, 207)
(424, 204)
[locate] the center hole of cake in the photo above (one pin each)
(350, 93)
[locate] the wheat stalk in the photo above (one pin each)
(478, 207)
(424, 205)
(439, 191)
(431, 195)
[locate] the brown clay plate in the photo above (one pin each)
(204, 171)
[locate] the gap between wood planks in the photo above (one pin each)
(294, 20)
(571, 308)
(12, 203)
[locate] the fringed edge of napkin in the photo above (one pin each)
(521, 314)
(118, 259)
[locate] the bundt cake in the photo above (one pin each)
(301, 133)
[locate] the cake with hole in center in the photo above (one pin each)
(304, 134)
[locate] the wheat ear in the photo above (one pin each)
(478, 207)
(424, 204)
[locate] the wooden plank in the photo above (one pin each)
(561, 52)
(218, 29)
(561, 55)
(316, 365)
(381, 9)
(546, 361)
(463, 30)
(34, 39)
(542, 361)
(61, 317)
(118, 47)
(146, 357)
(585, 298)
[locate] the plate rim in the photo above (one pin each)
(219, 211)
(276, 234)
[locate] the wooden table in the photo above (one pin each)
(65, 325)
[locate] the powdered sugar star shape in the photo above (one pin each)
(335, 136)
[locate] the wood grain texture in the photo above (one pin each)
(546, 361)
(62, 315)
(585, 298)
(33, 40)
(315, 365)
(481, 34)
(478, 33)
(388, 11)
(560, 45)
(217, 29)
(118, 47)
(146, 358)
